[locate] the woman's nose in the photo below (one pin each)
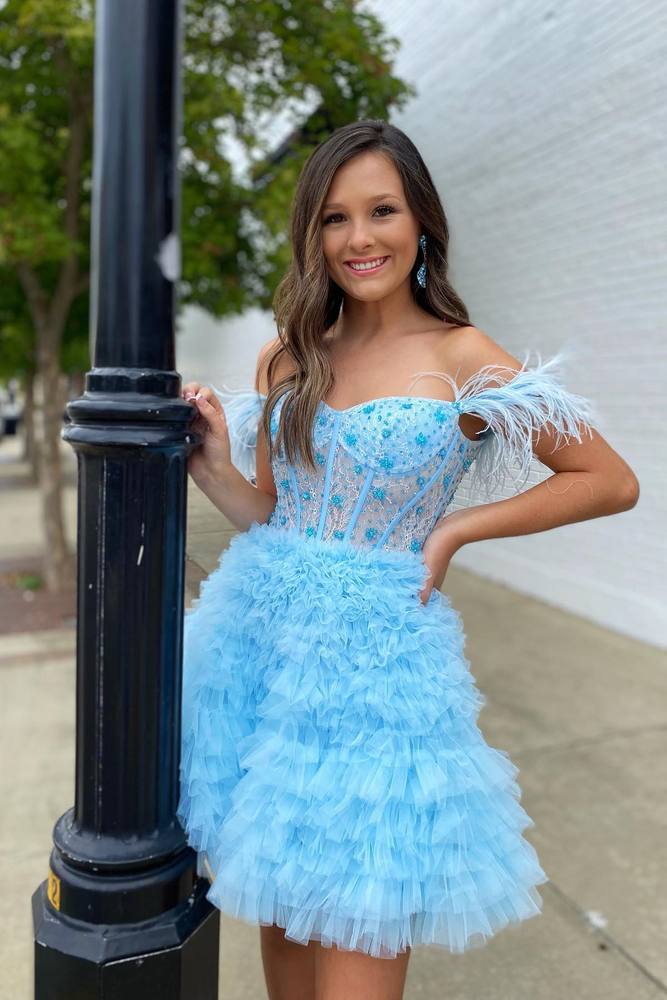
(360, 240)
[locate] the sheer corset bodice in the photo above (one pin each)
(387, 469)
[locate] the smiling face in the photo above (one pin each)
(366, 221)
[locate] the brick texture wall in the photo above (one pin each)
(544, 128)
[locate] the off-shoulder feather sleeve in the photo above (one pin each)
(515, 405)
(243, 409)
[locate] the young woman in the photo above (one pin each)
(334, 780)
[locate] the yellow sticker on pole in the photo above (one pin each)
(53, 890)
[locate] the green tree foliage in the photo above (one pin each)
(243, 64)
(324, 64)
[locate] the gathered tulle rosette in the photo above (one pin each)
(333, 776)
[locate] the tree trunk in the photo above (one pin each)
(28, 422)
(59, 566)
(49, 309)
(77, 384)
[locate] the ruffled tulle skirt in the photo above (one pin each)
(333, 777)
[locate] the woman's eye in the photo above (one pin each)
(337, 215)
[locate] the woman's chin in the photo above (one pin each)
(373, 292)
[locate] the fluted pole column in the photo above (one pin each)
(122, 913)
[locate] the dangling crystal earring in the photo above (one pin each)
(421, 273)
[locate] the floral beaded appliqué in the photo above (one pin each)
(385, 470)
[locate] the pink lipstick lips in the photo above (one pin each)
(361, 267)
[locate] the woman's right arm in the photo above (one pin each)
(211, 467)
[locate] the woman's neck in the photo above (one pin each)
(364, 322)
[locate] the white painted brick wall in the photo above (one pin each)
(543, 125)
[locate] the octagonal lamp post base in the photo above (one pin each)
(82, 961)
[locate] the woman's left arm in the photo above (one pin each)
(590, 480)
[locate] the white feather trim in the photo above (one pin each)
(243, 409)
(516, 405)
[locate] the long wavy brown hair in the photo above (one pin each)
(307, 301)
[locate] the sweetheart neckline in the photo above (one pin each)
(382, 399)
(473, 442)
(416, 399)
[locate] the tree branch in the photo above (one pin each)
(36, 297)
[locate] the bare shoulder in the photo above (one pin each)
(282, 368)
(469, 349)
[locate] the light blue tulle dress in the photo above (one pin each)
(334, 780)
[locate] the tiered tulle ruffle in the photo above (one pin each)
(333, 773)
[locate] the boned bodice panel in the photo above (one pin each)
(385, 472)
(388, 469)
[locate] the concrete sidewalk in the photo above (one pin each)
(580, 710)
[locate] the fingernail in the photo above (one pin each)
(198, 396)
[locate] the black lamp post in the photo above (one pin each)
(123, 913)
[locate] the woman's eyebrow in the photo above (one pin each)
(374, 197)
